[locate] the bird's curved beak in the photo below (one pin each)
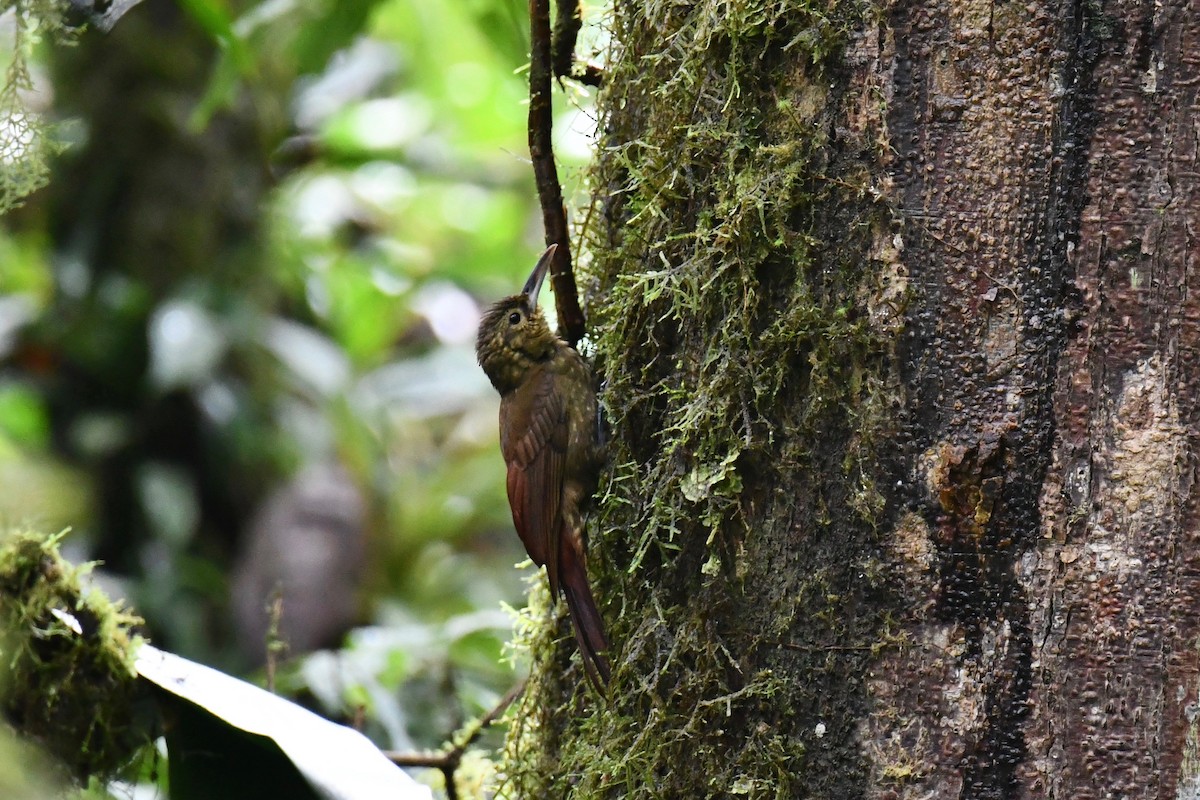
(533, 286)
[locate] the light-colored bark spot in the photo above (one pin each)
(886, 300)
(911, 543)
(1145, 454)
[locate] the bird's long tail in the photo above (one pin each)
(585, 618)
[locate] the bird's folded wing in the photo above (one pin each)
(533, 438)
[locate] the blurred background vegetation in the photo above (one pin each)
(237, 322)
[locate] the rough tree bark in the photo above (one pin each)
(892, 305)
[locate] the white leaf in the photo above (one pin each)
(339, 763)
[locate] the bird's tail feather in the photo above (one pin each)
(585, 618)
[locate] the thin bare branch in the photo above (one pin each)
(571, 323)
(448, 760)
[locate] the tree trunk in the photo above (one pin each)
(891, 307)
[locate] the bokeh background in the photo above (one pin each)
(237, 322)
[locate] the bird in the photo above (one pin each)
(549, 441)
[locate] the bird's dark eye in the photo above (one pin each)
(514, 318)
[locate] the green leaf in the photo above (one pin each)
(233, 63)
(213, 18)
(335, 28)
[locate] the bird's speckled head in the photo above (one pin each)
(513, 334)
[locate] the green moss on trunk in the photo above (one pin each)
(745, 306)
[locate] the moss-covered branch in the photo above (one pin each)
(67, 679)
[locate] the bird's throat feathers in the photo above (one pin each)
(512, 339)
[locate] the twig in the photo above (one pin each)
(571, 323)
(448, 760)
(567, 23)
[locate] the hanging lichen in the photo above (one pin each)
(26, 141)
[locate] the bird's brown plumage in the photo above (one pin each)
(533, 440)
(549, 443)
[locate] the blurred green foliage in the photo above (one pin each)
(177, 348)
(25, 773)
